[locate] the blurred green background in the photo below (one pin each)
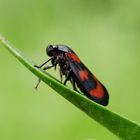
(104, 34)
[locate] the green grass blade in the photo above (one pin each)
(120, 126)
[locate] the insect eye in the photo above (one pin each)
(49, 50)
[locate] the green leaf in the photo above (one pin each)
(120, 126)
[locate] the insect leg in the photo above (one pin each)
(42, 64)
(37, 84)
(48, 67)
(45, 68)
(61, 75)
(67, 78)
(74, 83)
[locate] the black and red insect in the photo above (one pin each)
(76, 72)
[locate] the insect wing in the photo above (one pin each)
(88, 83)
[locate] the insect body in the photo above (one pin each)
(76, 72)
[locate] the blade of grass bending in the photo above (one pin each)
(120, 126)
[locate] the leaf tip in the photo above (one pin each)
(2, 37)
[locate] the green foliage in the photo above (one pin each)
(120, 126)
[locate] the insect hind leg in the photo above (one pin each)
(70, 77)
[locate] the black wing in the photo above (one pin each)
(86, 81)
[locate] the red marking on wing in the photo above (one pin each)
(83, 75)
(73, 57)
(98, 92)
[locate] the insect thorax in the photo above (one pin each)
(63, 64)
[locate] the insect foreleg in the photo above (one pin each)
(45, 68)
(43, 63)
